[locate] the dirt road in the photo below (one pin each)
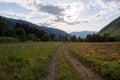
(83, 71)
(53, 66)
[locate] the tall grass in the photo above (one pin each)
(104, 58)
(26, 61)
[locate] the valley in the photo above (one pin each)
(60, 61)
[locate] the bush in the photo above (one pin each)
(20, 32)
(46, 37)
(8, 39)
(32, 37)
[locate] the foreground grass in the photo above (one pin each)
(26, 61)
(66, 71)
(104, 58)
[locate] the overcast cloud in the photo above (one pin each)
(73, 13)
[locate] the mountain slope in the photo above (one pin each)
(82, 34)
(113, 28)
(11, 24)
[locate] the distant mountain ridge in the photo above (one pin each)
(11, 24)
(82, 34)
(112, 28)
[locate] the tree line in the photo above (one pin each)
(96, 38)
(24, 32)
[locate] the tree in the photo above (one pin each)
(31, 30)
(105, 37)
(60, 37)
(73, 38)
(33, 37)
(20, 32)
(2, 26)
(111, 39)
(52, 36)
(80, 39)
(46, 37)
(18, 25)
(66, 38)
(10, 32)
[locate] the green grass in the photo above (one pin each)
(104, 58)
(30, 60)
(66, 71)
(26, 61)
(8, 40)
(113, 28)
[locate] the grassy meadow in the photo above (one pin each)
(26, 61)
(30, 60)
(103, 58)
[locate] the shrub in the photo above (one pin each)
(46, 37)
(8, 39)
(33, 37)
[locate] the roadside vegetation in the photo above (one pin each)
(25, 61)
(103, 58)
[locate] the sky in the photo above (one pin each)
(67, 15)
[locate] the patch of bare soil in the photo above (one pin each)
(53, 67)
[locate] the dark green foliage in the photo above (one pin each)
(10, 32)
(22, 38)
(73, 38)
(96, 38)
(101, 38)
(46, 37)
(31, 30)
(52, 36)
(2, 26)
(20, 32)
(63, 38)
(8, 40)
(60, 37)
(24, 32)
(32, 37)
(81, 39)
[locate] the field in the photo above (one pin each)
(59, 61)
(27, 61)
(103, 58)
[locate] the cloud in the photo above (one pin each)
(68, 13)
(31, 4)
(79, 12)
(51, 9)
(72, 13)
(12, 14)
(68, 22)
(106, 8)
(37, 5)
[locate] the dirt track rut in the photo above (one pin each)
(84, 72)
(53, 66)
